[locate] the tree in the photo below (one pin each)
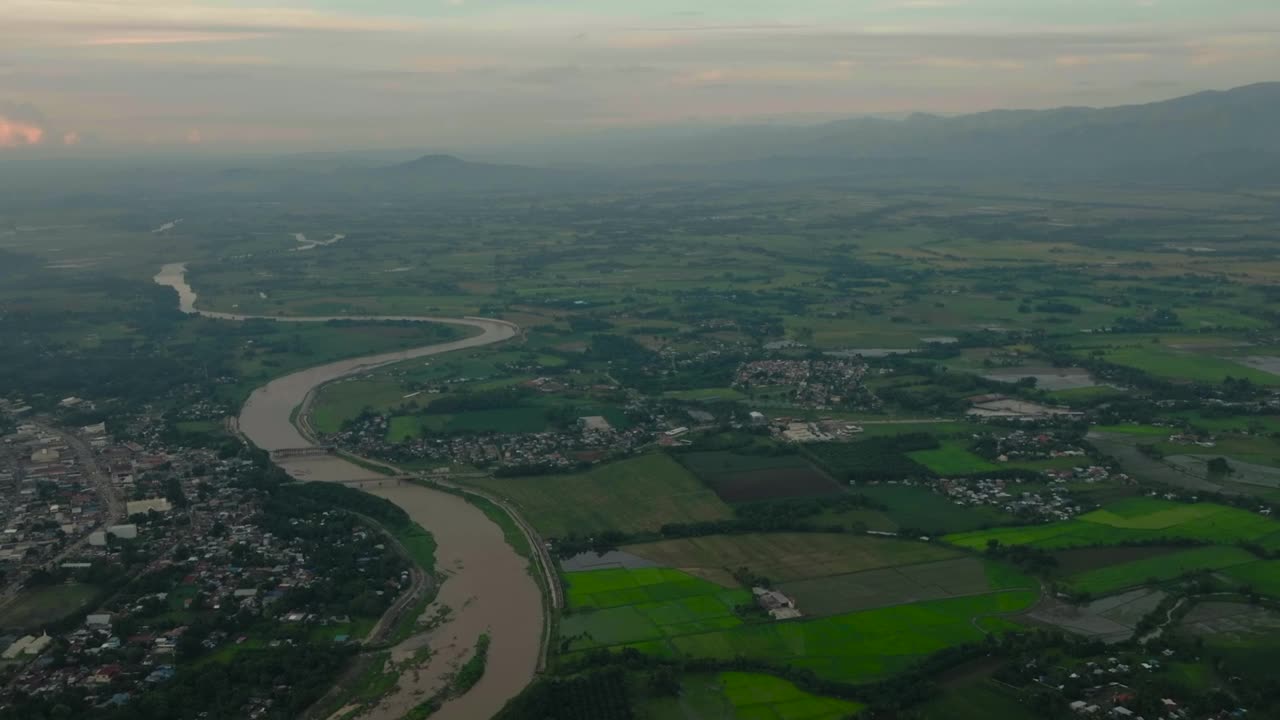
(1220, 466)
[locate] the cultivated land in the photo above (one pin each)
(640, 305)
(748, 478)
(747, 696)
(783, 557)
(640, 494)
(1136, 520)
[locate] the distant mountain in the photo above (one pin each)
(1209, 137)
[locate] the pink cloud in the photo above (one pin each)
(173, 38)
(194, 136)
(19, 134)
(71, 138)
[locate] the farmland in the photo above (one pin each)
(1262, 577)
(746, 478)
(952, 458)
(1125, 575)
(644, 305)
(638, 494)
(902, 584)
(916, 507)
(783, 557)
(668, 613)
(624, 607)
(859, 646)
(747, 696)
(873, 593)
(1136, 520)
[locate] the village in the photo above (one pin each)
(200, 562)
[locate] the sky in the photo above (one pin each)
(283, 75)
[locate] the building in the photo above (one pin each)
(779, 606)
(758, 419)
(595, 423)
(124, 532)
(27, 645)
(135, 507)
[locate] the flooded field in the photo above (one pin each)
(486, 585)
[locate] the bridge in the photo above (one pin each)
(388, 481)
(289, 453)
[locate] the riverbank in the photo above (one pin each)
(486, 584)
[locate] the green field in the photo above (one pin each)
(983, 700)
(1121, 576)
(745, 696)
(917, 507)
(1178, 365)
(856, 647)
(1136, 520)
(613, 607)
(784, 557)
(953, 458)
(1263, 576)
(706, 395)
(902, 584)
(37, 606)
(638, 494)
(669, 613)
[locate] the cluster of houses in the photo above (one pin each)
(209, 555)
(1023, 445)
(1045, 504)
(47, 497)
(593, 439)
(817, 384)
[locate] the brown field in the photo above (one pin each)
(772, 484)
(1071, 562)
(889, 586)
(785, 557)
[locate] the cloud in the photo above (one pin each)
(21, 125)
(1101, 59)
(176, 37)
(14, 133)
(194, 136)
(71, 138)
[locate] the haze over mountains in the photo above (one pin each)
(1209, 139)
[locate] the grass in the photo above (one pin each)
(1263, 577)
(982, 700)
(745, 696)
(748, 478)
(1177, 365)
(916, 507)
(705, 395)
(902, 584)
(785, 557)
(669, 613)
(753, 695)
(1121, 576)
(1136, 520)
(39, 606)
(856, 647)
(952, 458)
(633, 495)
(511, 532)
(613, 607)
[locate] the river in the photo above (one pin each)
(487, 586)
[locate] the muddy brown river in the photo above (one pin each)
(486, 585)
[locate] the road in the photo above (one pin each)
(107, 494)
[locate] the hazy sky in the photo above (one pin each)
(286, 74)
